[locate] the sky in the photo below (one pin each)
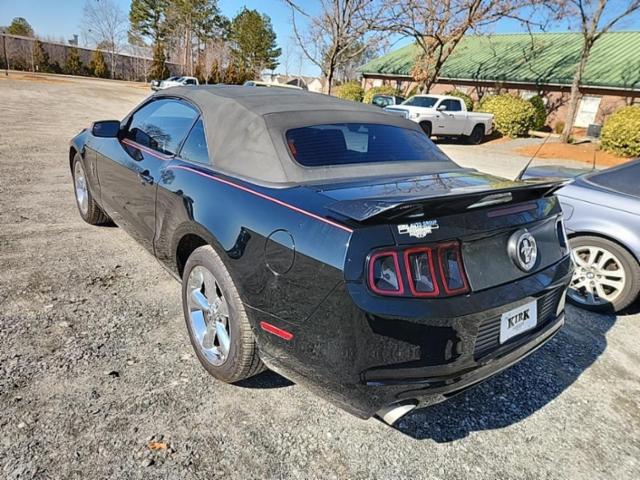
(60, 19)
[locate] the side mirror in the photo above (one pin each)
(441, 108)
(106, 128)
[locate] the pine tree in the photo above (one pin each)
(254, 41)
(40, 57)
(158, 68)
(73, 65)
(215, 74)
(231, 74)
(98, 66)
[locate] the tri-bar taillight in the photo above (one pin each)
(433, 271)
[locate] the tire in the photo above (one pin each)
(89, 210)
(602, 266)
(477, 135)
(426, 128)
(205, 272)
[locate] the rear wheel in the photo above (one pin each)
(426, 128)
(477, 135)
(89, 210)
(216, 320)
(606, 276)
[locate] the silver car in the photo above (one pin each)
(602, 217)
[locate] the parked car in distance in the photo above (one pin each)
(330, 241)
(602, 214)
(445, 116)
(257, 83)
(173, 82)
(386, 100)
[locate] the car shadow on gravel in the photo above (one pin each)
(266, 379)
(521, 390)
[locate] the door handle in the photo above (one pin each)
(145, 178)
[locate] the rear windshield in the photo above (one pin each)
(622, 179)
(348, 143)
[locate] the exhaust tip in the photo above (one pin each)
(396, 411)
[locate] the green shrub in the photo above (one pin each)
(383, 90)
(468, 101)
(621, 132)
(541, 112)
(513, 116)
(350, 91)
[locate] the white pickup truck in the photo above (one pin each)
(445, 116)
(173, 82)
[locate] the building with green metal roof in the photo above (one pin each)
(529, 64)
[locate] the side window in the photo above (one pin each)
(190, 81)
(194, 148)
(162, 124)
(452, 105)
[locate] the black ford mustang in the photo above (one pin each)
(330, 241)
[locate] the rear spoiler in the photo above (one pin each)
(453, 201)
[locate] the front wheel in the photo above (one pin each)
(89, 210)
(606, 275)
(216, 320)
(426, 128)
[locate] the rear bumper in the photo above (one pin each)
(419, 350)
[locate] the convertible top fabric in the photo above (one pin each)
(245, 129)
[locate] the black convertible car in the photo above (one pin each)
(330, 241)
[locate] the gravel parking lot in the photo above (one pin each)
(98, 379)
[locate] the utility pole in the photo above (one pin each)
(6, 58)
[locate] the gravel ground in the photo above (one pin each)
(98, 380)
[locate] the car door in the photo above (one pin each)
(453, 118)
(129, 170)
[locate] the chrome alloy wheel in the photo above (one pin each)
(599, 277)
(82, 194)
(208, 315)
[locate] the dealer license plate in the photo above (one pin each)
(519, 320)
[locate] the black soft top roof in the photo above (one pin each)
(245, 129)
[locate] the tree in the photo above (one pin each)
(194, 21)
(40, 57)
(20, 26)
(97, 66)
(73, 64)
(215, 75)
(148, 19)
(253, 42)
(105, 24)
(437, 26)
(340, 31)
(595, 20)
(158, 68)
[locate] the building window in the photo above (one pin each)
(528, 94)
(587, 111)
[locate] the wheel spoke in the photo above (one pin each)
(605, 257)
(615, 284)
(199, 300)
(223, 338)
(199, 326)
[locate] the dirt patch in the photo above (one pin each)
(583, 152)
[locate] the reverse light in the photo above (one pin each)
(421, 272)
(452, 273)
(384, 274)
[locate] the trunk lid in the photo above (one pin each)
(479, 211)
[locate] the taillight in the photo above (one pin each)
(452, 273)
(420, 270)
(384, 274)
(435, 271)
